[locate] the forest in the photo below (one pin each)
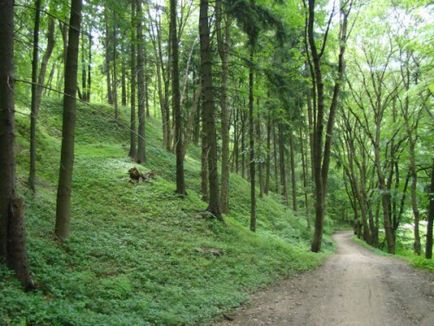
(163, 160)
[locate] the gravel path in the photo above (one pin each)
(354, 287)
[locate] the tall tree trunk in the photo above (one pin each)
(176, 102)
(275, 156)
(63, 208)
(429, 228)
(252, 145)
(12, 227)
(320, 153)
(243, 143)
(304, 171)
(123, 80)
(141, 156)
(282, 168)
(89, 67)
(34, 109)
(222, 43)
(268, 156)
(107, 59)
(414, 206)
(293, 179)
(115, 70)
(208, 113)
(83, 69)
(133, 145)
(259, 156)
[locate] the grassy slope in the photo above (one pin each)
(131, 258)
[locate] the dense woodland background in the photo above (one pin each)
(259, 127)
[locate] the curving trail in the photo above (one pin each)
(354, 287)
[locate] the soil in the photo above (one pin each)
(354, 287)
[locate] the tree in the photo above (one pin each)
(208, 112)
(12, 227)
(320, 152)
(133, 134)
(35, 65)
(429, 228)
(141, 151)
(176, 102)
(253, 18)
(63, 207)
(38, 80)
(223, 49)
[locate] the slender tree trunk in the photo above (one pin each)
(252, 145)
(115, 70)
(63, 208)
(275, 157)
(12, 227)
(176, 102)
(123, 80)
(208, 110)
(83, 69)
(107, 57)
(429, 228)
(243, 143)
(414, 206)
(204, 163)
(34, 109)
(268, 156)
(222, 43)
(133, 145)
(293, 178)
(260, 164)
(89, 67)
(320, 154)
(283, 182)
(304, 171)
(141, 156)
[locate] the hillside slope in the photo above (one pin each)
(138, 255)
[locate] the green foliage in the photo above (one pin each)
(134, 255)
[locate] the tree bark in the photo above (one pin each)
(63, 208)
(133, 136)
(293, 178)
(282, 168)
(268, 156)
(320, 155)
(141, 151)
(176, 102)
(34, 109)
(429, 228)
(107, 57)
(222, 44)
(252, 163)
(12, 235)
(208, 114)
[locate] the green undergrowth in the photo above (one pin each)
(137, 254)
(402, 253)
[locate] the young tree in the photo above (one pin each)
(63, 207)
(35, 64)
(38, 79)
(176, 102)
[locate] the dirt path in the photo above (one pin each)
(354, 287)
